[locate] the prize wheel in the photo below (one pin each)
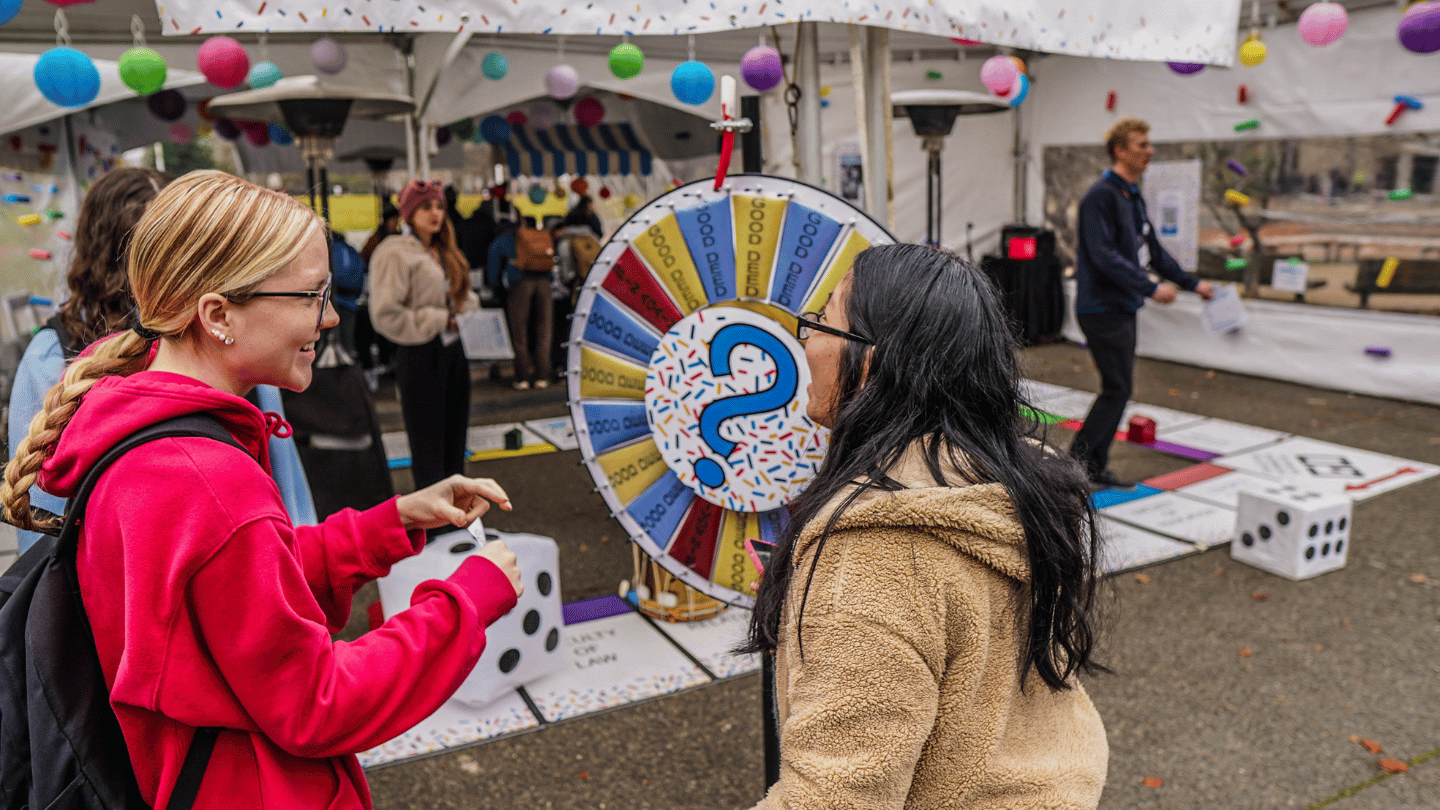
(687, 384)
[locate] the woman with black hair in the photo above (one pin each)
(931, 602)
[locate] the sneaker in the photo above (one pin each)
(1107, 480)
(542, 383)
(522, 385)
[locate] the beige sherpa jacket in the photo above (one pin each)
(908, 694)
(408, 292)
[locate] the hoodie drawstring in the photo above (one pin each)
(277, 427)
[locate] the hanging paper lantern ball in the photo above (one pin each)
(542, 116)
(442, 136)
(327, 55)
(1419, 28)
(8, 10)
(626, 61)
(142, 70)
(692, 82)
(1323, 23)
(1252, 51)
(167, 105)
(579, 185)
(562, 81)
(1018, 63)
(604, 193)
(498, 192)
(630, 201)
(495, 130)
(517, 118)
(202, 109)
(67, 77)
(281, 135)
(1185, 68)
(1020, 91)
(537, 194)
(464, 129)
(998, 74)
(223, 61)
(181, 133)
(264, 74)
(256, 132)
(761, 67)
(226, 129)
(589, 111)
(495, 66)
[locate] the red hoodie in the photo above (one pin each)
(210, 609)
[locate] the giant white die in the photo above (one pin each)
(520, 646)
(1291, 531)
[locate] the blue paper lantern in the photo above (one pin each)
(494, 66)
(281, 135)
(692, 82)
(1022, 90)
(495, 130)
(264, 74)
(537, 194)
(67, 77)
(8, 10)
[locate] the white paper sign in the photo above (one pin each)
(1290, 276)
(485, 334)
(1224, 313)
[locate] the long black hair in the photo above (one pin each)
(944, 372)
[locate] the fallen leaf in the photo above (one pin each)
(1153, 781)
(584, 547)
(1394, 765)
(604, 538)
(1174, 392)
(1209, 375)
(1371, 746)
(1245, 652)
(1143, 579)
(1344, 623)
(1355, 738)
(1259, 597)
(1219, 572)
(1418, 579)
(1319, 647)
(583, 775)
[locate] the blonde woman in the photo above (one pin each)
(208, 608)
(419, 282)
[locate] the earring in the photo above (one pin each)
(222, 336)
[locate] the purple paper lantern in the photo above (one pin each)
(1185, 68)
(1419, 28)
(327, 55)
(761, 68)
(1323, 23)
(443, 136)
(167, 105)
(562, 82)
(226, 129)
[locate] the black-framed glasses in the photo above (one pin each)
(323, 294)
(811, 320)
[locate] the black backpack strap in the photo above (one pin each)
(187, 786)
(63, 336)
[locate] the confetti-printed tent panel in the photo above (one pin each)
(1117, 29)
(687, 385)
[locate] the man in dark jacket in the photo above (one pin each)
(1117, 249)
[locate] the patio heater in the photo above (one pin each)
(379, 160)
(932, 113)
(315, 113)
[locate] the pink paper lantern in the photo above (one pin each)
(998, 74)
(256, 132)
(1323, 23)
(223, 61)
(589, 111)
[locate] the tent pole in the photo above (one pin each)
(807, 133)
(877, 123)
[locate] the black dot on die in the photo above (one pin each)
(1325, 550)
(509, 660)
(1264, 532)
(1314, 529)
(552, 639)
(1248, 539)
(462, 547)
(1329, 526)
(531, 623)
(1283, 518)
(1310, 553)
(544, 583)
(1342, 524)
(1339, 546)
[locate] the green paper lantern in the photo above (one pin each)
(626, 60)
(142, 70)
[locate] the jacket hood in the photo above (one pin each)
(977, 520)
(116, 407)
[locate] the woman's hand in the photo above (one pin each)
(496, 552)
(457, 500)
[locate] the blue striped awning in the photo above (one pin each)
(573, 149)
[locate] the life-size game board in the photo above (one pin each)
(687, 385)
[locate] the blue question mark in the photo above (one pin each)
(787, 379)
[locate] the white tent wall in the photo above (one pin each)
(1344, 89)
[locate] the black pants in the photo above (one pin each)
(434, 385)
(1111, 338)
